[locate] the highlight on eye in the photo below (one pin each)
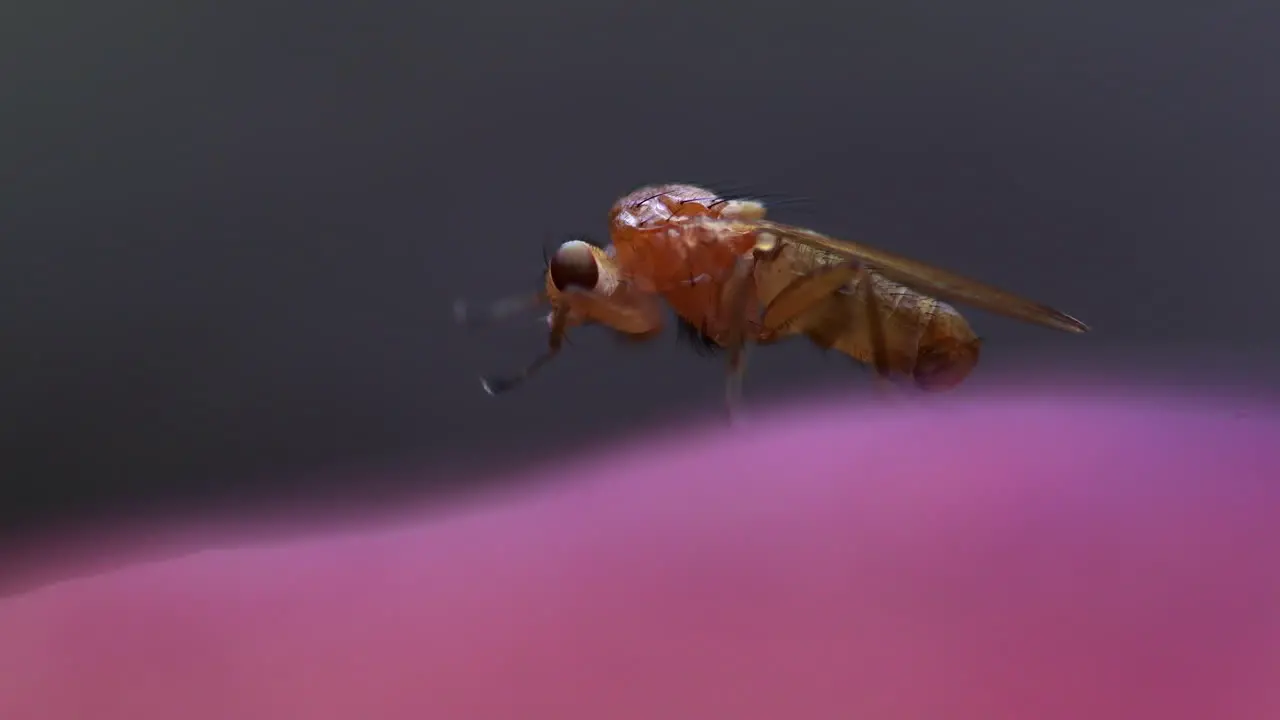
(573, 265)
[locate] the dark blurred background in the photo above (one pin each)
(231, 233)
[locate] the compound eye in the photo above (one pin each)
(574, 265)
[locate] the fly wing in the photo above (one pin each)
(927, 279)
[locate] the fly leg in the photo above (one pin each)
(803, 293)
(735, 297)
(636, 316)
(806, 291)
(875, 328)
(497, 384)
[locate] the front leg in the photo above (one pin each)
(636, 316)
(627, 311)
(558, 320)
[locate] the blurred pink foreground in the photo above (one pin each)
(1014, 559)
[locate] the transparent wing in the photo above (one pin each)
(925, 278)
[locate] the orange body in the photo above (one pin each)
(661, 247)
(740, 278)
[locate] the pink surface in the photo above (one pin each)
(1022, 559)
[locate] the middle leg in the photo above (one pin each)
(736, 296)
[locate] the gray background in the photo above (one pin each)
(230, 233)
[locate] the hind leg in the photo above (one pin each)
(808, 291)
